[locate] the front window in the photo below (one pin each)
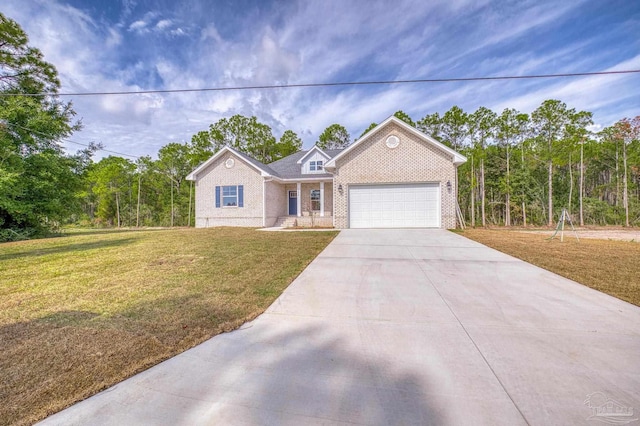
(315, 200)
(315, 166)
(229, 196)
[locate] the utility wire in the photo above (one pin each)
(67, 140)
(335, 84)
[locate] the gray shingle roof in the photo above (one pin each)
(288, 167)
(285, 168)
(255, 162)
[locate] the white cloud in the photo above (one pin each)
(585, 93)
(164, 24)
(114, 38)
(143, 26)
(210, 32)
(138, 26)
(309, 42)
(178, 32)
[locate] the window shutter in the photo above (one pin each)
(217, 196)
(240, 196)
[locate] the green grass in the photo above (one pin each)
(82, 312)
(608, 266)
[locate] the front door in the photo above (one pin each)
(293, 203)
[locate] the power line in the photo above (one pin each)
(102, 149)
(67, 140)
(334, 84)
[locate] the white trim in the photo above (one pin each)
(315, 164)
(457, 157)
(214, 157)
(313, 148)
(222, 196)
(304, 179)
(311, 191)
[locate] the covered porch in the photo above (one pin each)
(308, 204)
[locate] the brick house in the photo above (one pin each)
(394, 176)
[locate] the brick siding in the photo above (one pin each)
(277, 202)
(217, 174)
(412, 161)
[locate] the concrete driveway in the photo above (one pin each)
(393, 327)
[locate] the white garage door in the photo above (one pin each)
(395, 206)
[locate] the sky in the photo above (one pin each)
(132, 45)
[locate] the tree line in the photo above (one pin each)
(522, 169)
(147, 192)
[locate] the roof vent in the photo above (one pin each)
(393, 141)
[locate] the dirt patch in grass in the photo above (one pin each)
(598, 234)
(612, 267)
(81, 313)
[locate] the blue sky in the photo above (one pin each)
(174, 44)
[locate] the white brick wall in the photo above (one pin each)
(277, 202)
(371, 162)
(241, 173)
(413, 160)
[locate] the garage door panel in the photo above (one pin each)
(394, 206)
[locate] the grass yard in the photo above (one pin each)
(82, 312)
(612, 267)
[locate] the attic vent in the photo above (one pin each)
(229, 163)
(393, 141)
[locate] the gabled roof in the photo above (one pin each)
(257, 164)
(315, 148)
(457, 158)
(285, 168)
(289, 167)
(260, 167)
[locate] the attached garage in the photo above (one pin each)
(395, 206)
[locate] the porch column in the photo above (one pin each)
(321, 198)
(298, 200)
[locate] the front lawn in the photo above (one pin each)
(612, 267)
(83, 312)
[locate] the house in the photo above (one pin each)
(394, 176)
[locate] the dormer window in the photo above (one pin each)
(313, 161)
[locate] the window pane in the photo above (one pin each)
(319, 165)
(230, 190)
(230, 195)
(312, 166)
(315, 199)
